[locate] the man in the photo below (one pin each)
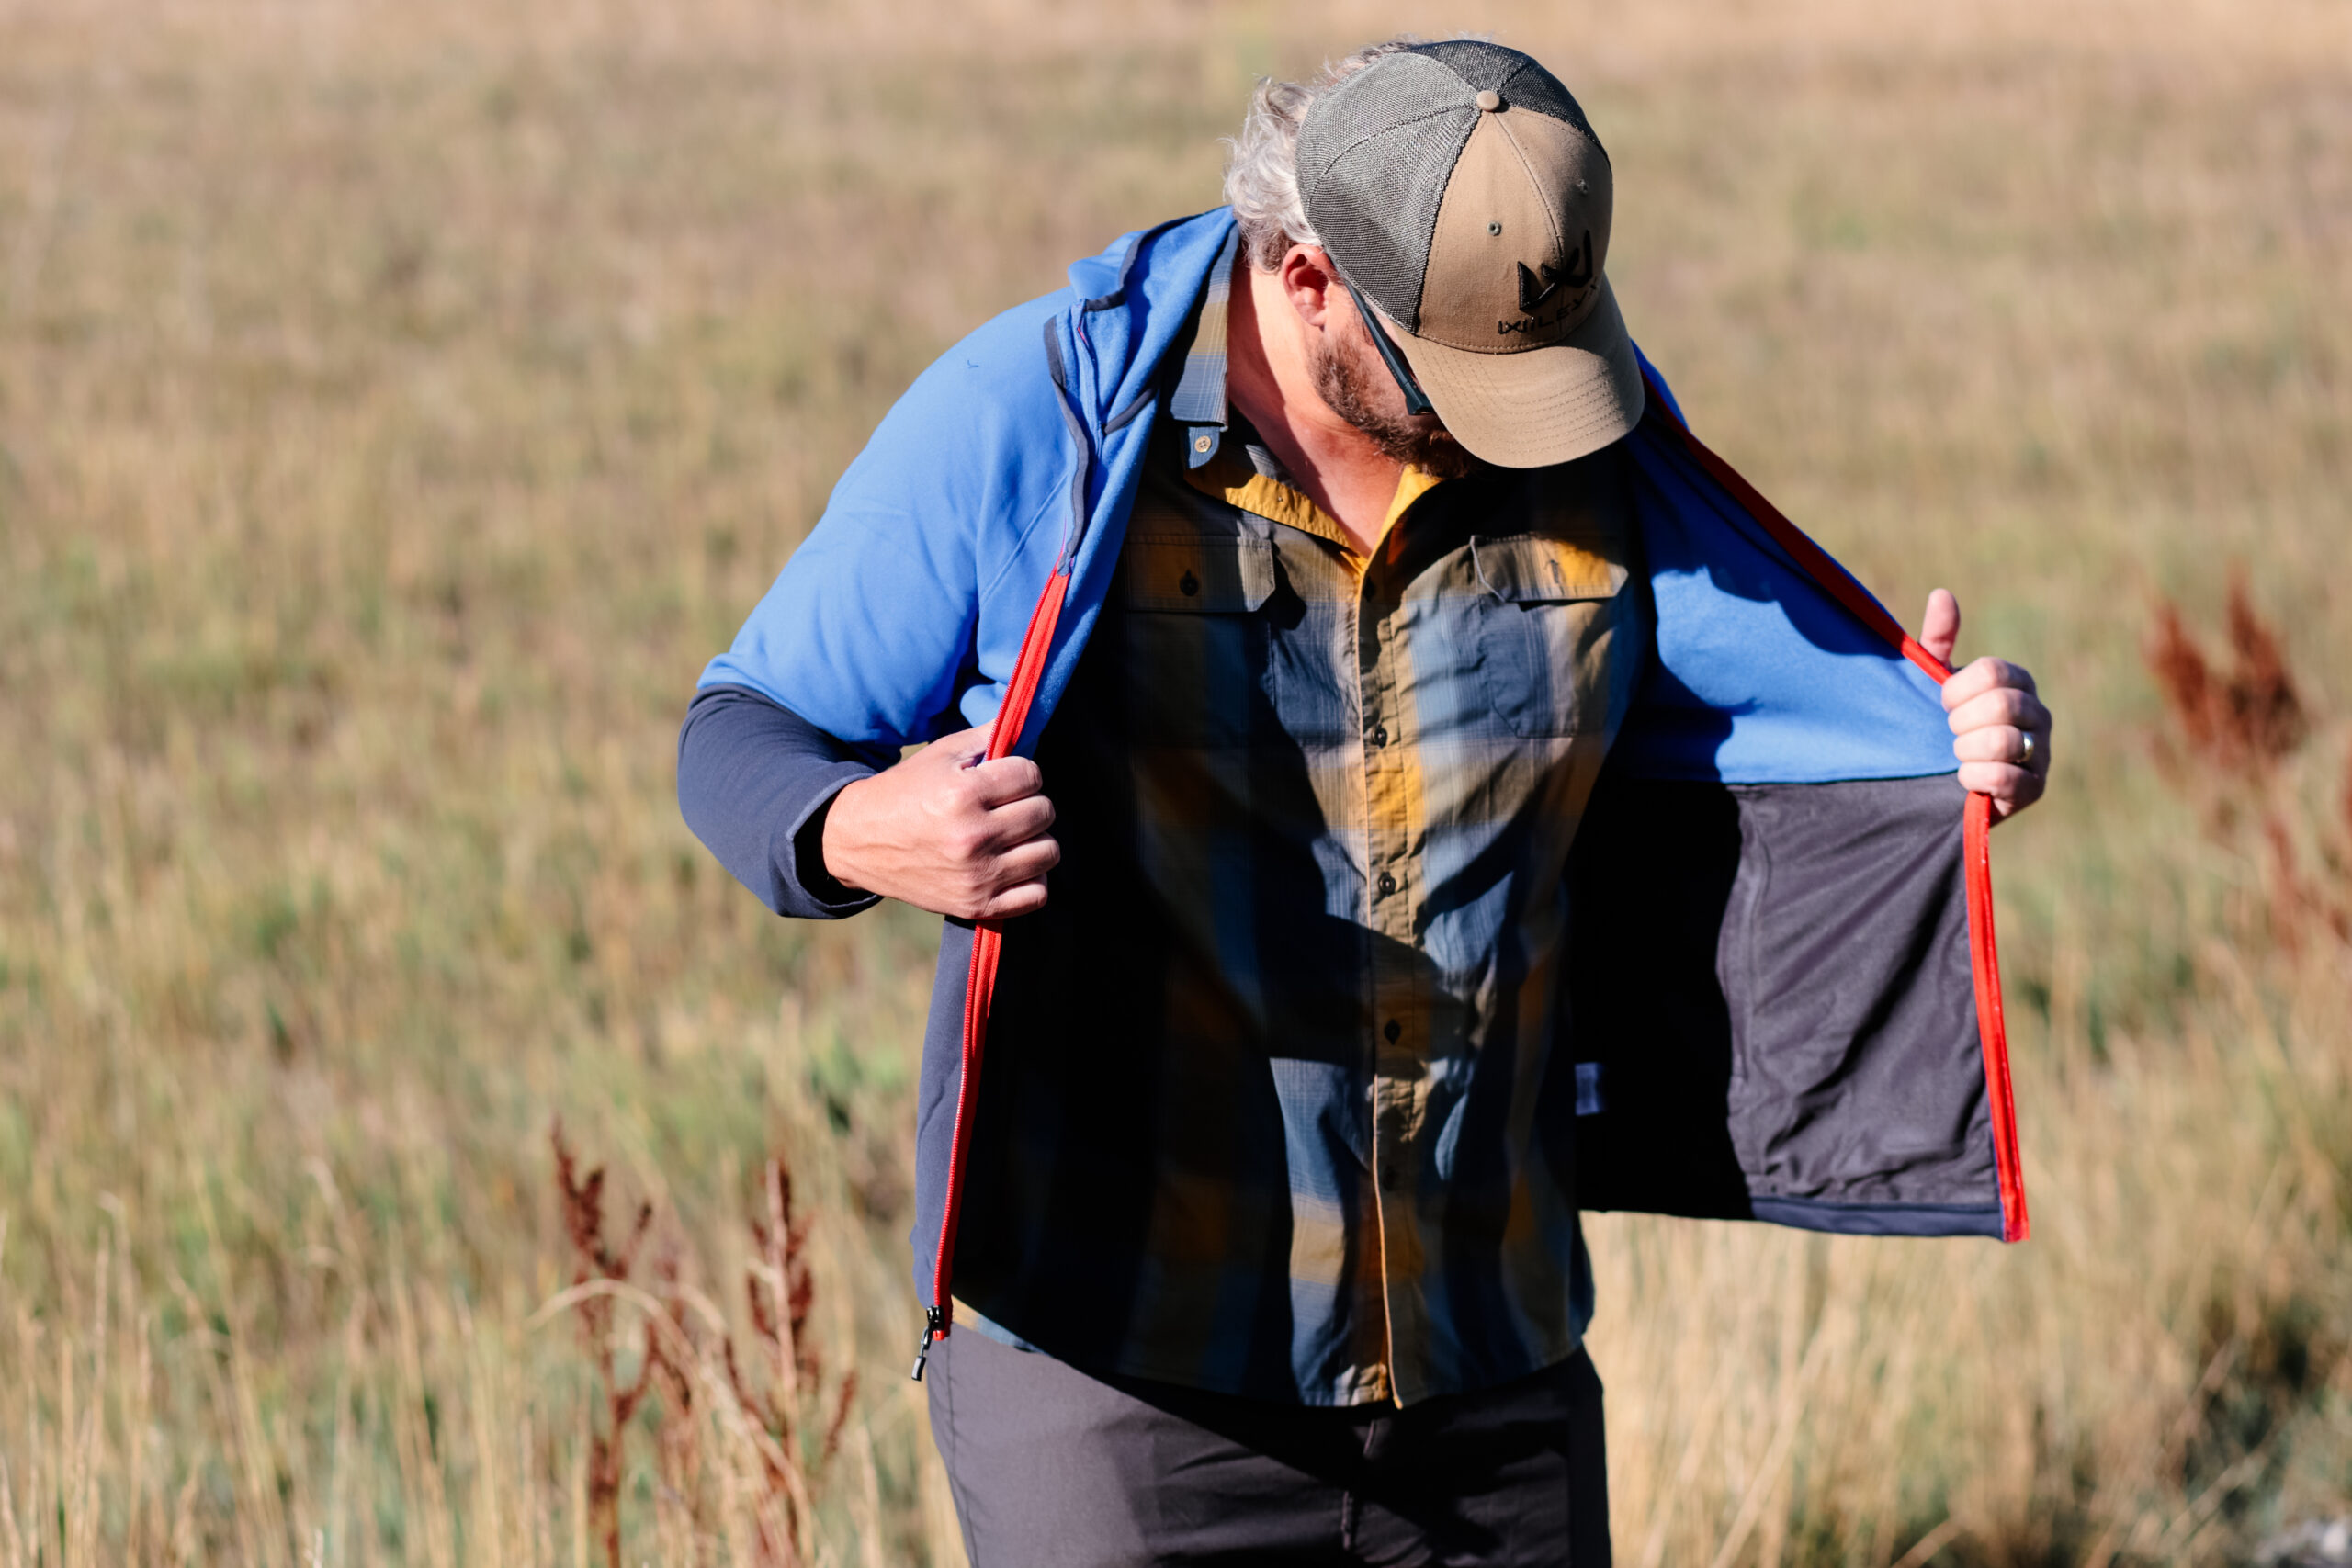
(1389, 787)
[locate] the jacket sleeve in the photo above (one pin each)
(755, 782)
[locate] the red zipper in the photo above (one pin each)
(980, 985)
(1985, 959)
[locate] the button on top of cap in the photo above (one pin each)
(1491, 100)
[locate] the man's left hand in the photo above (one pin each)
(2000, 730)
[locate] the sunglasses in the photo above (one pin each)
(1416, 401)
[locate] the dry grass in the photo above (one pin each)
(398, 403)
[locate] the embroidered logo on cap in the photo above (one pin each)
(1531, 294)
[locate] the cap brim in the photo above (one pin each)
(1537, 406)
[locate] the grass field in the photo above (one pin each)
(398, 404)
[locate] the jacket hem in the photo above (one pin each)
(1882, 1219)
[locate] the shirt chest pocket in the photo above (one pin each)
(1195, 667)
(1196, 574)
(1549, 616)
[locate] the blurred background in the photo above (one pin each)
(400, 402)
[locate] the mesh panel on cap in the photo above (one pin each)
(1519, 78)
(1374, 157)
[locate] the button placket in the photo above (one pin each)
(1397, 1012)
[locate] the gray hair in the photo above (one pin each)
(1262, 163)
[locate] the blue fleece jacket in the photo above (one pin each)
(900, 617)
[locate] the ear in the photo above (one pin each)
(1312, 286)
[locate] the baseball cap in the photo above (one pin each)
(1460, 188)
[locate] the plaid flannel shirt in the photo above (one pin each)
(1279, 1100)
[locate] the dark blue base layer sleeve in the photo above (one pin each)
(754, 780)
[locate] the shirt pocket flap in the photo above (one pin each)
(1532, 568)
(1197, 573)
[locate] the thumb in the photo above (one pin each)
(966, 747)
(1939, 627)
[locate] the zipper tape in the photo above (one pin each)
(979, 986)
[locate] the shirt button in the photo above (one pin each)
(1380, 735)
(1188, 585)
(1394, 1031)
(1387, 885)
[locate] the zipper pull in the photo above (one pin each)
(934, 1326)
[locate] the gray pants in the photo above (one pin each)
(1053, 1469)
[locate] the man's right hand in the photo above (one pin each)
(946, 832)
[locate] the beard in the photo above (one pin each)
(1347, 374)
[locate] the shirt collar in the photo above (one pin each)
(1251, 477)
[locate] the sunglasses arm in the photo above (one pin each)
(1416, 401)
